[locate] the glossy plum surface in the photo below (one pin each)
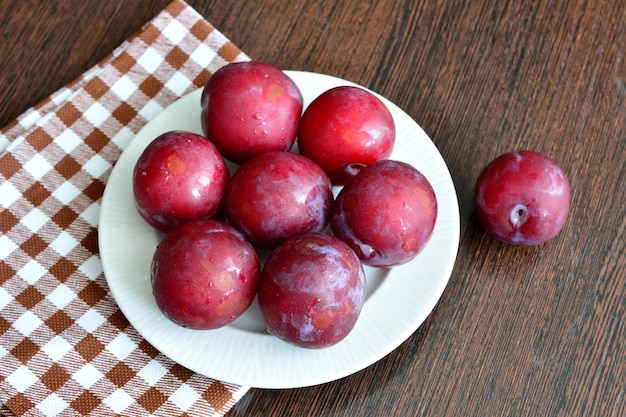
(311, 290)
(344, 129)
(204, 275)
(179, 177)
(249, 108)
(386, 214)
(522, 198)
(277, 195)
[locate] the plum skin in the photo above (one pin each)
(344, 129)
(311, 290)
(204, 275)
(386, 214)
(250, 107)
(277, 195)
(522, 198)
(179, 177)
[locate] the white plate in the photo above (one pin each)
(398, 300)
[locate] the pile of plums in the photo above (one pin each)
(206, 270)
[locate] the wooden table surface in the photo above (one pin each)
(519, 331)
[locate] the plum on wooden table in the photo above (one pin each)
(522, 198)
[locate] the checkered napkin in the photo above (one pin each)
(65, 347)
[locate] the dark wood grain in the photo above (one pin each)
(519, 331)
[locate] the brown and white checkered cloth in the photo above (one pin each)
(65, 347)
